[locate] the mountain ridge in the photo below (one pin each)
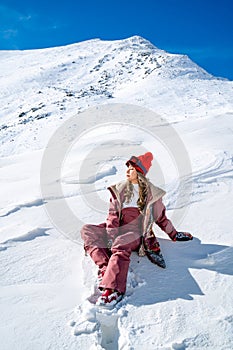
(53, 83)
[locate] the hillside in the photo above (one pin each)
(69, 119)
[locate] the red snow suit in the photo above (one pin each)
(125, 227)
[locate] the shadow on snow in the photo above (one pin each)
(176, 281)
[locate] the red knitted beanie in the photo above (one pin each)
(141, 163)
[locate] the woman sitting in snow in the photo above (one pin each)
(135, 205)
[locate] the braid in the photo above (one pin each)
(143, 191)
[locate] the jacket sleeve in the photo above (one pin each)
(112, 221)
(160, 218)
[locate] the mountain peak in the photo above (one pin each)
(138, 42)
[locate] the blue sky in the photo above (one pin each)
(202, 29)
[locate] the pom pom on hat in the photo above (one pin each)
(141, 163)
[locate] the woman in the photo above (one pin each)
(135, 205)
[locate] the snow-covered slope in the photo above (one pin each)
(69, 118)
(54, 84)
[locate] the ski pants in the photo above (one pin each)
(115, 262)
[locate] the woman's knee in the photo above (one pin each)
(94, 235)
(86, 230)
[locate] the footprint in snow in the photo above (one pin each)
(100, 321)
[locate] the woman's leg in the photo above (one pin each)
(115, 276)
(94, 237)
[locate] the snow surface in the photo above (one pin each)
(70, 117)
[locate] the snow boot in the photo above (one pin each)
(156, 257)
(109, 298)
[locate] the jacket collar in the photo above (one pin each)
(155, 192)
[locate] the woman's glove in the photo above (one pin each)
(183, 236)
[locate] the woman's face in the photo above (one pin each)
(131, 174)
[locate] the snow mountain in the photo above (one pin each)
(70, 117)
(55, 83)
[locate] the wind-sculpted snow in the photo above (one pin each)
(217, 174)
(29, 236)
(98, 176)
(35, 203)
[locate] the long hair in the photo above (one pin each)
(143, 191)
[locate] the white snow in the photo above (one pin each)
(69, 119)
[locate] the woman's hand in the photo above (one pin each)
(183, 236)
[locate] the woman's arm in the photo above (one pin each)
(159, 212)
(166, 225)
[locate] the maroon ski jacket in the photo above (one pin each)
(154, 212)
